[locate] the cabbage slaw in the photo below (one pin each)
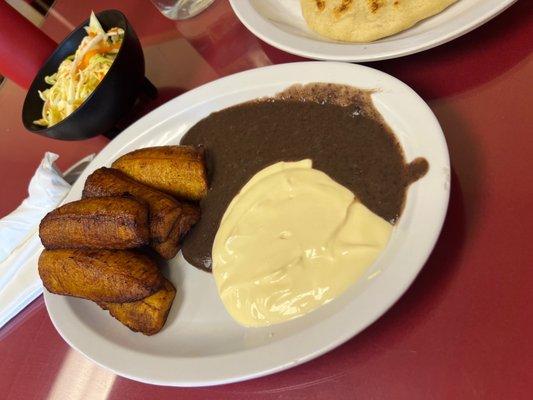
(79, 74)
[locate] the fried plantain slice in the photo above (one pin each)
(177, 170)
(169, 218)
(170, 247)
(164, 210)
(100, 275)
(148, 315)
(98, 223)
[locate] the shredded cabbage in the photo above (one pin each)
(79, 74)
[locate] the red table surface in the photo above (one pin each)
(465, 327)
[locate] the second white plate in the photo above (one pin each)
(280, 24)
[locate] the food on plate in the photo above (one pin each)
(168, 248)
(118, 212)
(115, 276)
(290, 241)
(190, 214)
(305, 188)
(367, 20)
(177, 170)
(335, 126)
(80, 73)
(147, 315)
(165, 212)
(96, 223)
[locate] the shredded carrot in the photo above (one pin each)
(109, 47)
(102, 49)
(83, 64)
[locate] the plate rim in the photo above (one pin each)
(152, 120)
(260, 27)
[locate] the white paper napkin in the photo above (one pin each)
(20, 245)
(47, 188)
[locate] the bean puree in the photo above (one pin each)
(335, 126)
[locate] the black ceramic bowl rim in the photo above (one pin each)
(29, 124)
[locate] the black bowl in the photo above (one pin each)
(112, 98)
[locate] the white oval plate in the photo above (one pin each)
(200, 344)
(280, 23)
